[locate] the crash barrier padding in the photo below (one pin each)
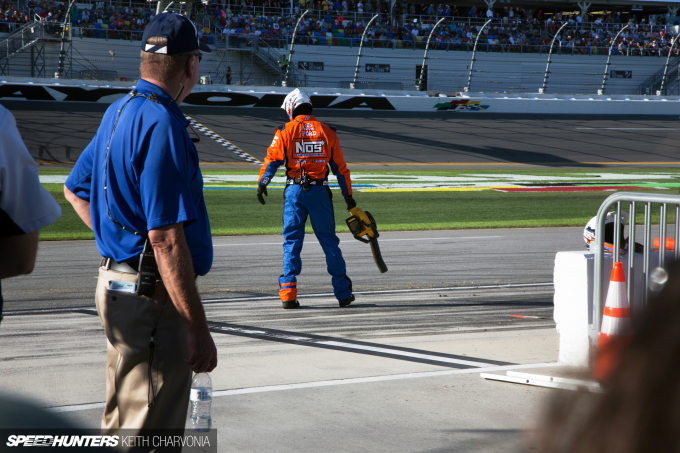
(59, 90)
(573, 278)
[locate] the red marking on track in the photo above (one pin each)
(571, 189)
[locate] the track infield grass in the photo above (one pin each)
(237, 212)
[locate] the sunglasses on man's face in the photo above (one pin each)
(199, 55)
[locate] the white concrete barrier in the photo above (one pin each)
(573, 300)
(15, 88)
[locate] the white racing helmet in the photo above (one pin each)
(293, 100)
(609, 227)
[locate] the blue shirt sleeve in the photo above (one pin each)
(79, 181)
(164, 182)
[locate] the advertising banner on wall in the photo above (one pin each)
(209, 96)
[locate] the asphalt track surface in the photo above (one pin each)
(396, 371)
(247, 268)
(58, 132)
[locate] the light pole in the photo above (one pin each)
(606, 68)
(284, 82)
(62, 51)
(361, 46)
(474, 51)
(427, 47)
(665, 69)
(547, 67)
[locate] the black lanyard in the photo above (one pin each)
(153, 98)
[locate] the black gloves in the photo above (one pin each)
(350, 202)
(261, 189)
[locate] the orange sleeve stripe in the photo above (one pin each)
(288, 285)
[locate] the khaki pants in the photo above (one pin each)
(143, 390)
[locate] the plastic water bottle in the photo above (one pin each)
(201, 399)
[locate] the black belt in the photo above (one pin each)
(128, 268)
(314, 182)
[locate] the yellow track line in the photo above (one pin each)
(462, 164)
(511, 163)
(387, 164)
(440, 189)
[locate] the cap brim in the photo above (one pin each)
(204, 47)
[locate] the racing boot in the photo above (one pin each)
(288, 304)
(346, 302)
(288, 294)
(350, 299)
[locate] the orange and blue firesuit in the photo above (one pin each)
(306, 146)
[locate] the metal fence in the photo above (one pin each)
(19, 40)
(649, 202)
(97, 74)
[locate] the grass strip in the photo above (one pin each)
(237, 212)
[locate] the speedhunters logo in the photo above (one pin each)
(62, 441)
(161, 440)
(462, 105)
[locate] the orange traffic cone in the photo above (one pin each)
(617, 328)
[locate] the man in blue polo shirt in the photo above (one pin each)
(139, 187)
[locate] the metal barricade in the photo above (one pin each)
(663, 202)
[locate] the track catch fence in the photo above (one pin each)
(647, 202)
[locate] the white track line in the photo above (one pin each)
(48, 311)
(388, 291)
(300, 296)
(306, 385)
(360, 347)
(626, 129)
(381, 240)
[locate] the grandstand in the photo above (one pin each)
(100, 41)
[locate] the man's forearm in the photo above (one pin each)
(81, 206)
(18, 254)
(177, 271)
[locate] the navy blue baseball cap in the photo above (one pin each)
(179, 30)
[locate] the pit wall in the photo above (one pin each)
(60, 90)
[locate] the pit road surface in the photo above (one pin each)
(248, 266)
(58, 132)
(394, 372)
